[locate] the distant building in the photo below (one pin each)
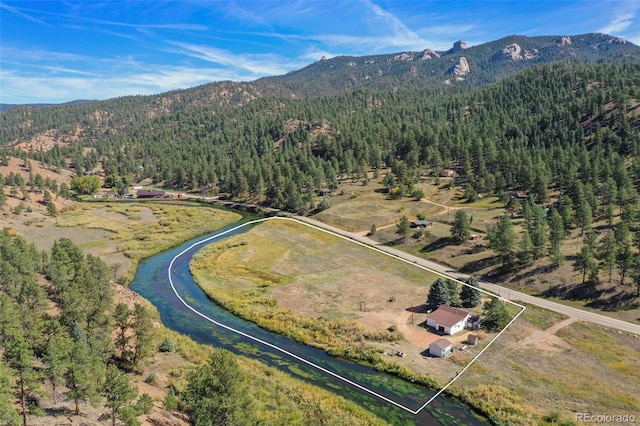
(441, 348)
(150, 193)
(521, 197)
(421, 224)
(448, 173)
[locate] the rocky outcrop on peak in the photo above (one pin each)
(618, 40)
(565, 41)
(514, 52)
(460, 69)
(427, 54)
(404, 56)
(458, 46)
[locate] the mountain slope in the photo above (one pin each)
(408, 70)
(424, 69)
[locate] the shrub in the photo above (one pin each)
(152, 379)
(167, 345)
(171, 400)
(323, 205)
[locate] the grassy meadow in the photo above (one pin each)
(138, 230)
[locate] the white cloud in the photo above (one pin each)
(21, 87)
(623, 17)
(257, 65)
(26, 16)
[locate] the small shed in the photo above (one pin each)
(472, 339)
(441, 348)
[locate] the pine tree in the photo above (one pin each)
(496, 314)
(623, 252)
(585, 261)
(607, 252)
(402, 227)
(217, 393)
(537, 227)
(117, 391)
(84, 374)
(470, 296)
(556, 235)
(461, 227)
(525, 254)
(8, 414)
(439, 294)
(21, 359)
(454, 295)
(502, 240)
(56, 359)
(171, 400)
(143, 337)
(635, 272)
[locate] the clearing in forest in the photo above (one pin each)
(306, 278)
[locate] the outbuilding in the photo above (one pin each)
(448, 320)
(472, 339)
(441, 348)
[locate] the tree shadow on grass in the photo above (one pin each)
(480, 264)
(419, 309)
(599, 297)
(397, 242)
(438, 244)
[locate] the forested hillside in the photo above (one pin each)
(551, 127)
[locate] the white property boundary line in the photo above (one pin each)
(324, 370)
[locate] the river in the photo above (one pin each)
(380, 393)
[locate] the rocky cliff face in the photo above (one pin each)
(427, 54)
(514, 52)
(460, 69)
(404, 56)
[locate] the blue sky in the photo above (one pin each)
(57, 51)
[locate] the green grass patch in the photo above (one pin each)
(142, 230)
(541, 318)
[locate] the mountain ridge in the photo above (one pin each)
(326, 77)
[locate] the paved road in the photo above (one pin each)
(501, 291)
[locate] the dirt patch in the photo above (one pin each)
(547, 340)
(17, 166)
